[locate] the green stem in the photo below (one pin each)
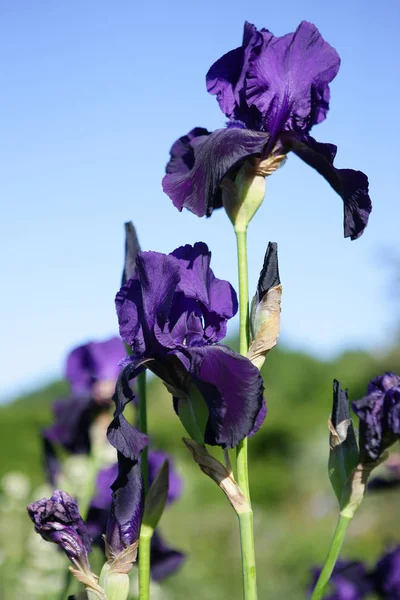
(144, 562)
(246, 518)
(145, 532)
(143, 427)
(332, 557)
(241, 239)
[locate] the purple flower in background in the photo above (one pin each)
(379, 414)
(392, 478)
(58, 520)
(273, 91)
(164, 561)
(72, 420)
(92, 371)
(387, 575)
(349, 581)
(93, 368)
(173, 313)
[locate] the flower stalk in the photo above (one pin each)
(146, 534)
(332, 557)
(245, 518)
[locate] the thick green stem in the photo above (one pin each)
(241, 239)
(146, 534)
(248, 555)
(246, 518)
(143, 426)
(332, 557)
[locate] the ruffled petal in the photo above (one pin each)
(352, 186)
(121, 435)
(199, 282)
(227, 77)
(142, 303)
(164, 561)
(219, 153)
(288, 79)
(232, 388)
(182, 151)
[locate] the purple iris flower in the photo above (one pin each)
(91, 371)
(379, 414)
(173, 313)
(349, 581)
(90, 365)
(387, 575)
(273, 91)
(58, 520)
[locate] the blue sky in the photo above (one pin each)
(93, 95)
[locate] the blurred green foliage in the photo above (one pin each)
(294, 508)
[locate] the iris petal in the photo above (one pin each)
(352, 186)
(232, 388)
(219, 153)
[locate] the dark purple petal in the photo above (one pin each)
(259, 419)
(198, 282)
(132, 248)
(352, 186)
(174, 300)
(72, 420)
(93, 362)
(232, 388)
(121, 435)
(379, 414)
(123, 527)
(219, 153)
(58, 520)
(288, 77)
(269, 275)
(164, 561)
(387, 575)
(146, 299)
(182, 151)
(227, 77)
(156, 460)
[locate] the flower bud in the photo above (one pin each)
(58, 520)
(343, 456)
(266, 309)
(243, 196)
(132, 248)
